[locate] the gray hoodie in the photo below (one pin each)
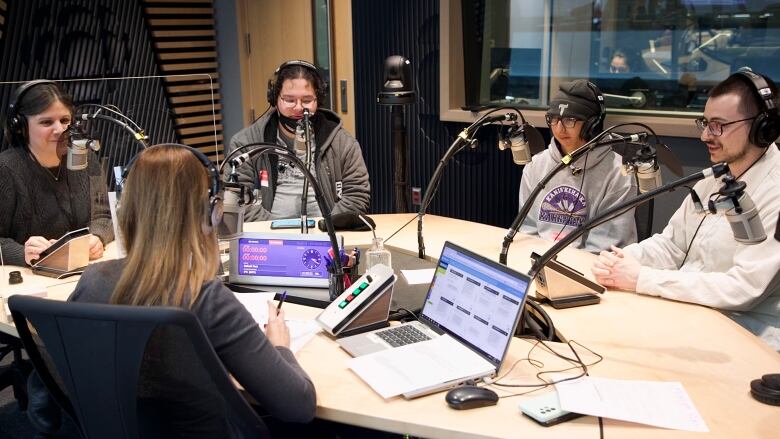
(562, 203)
(340, 169)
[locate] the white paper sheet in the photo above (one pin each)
(657, 403)
(257, 305)
(417, 366)
(422, 276)
(301, 331)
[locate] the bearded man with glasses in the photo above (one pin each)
(696, 259)
(590, 185)
(336, 158)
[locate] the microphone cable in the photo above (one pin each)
(571, 213)
(577, 362)
(696, 232)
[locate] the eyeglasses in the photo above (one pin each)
(291, 102)
(568, 122)
(618, 69)
(714, 127)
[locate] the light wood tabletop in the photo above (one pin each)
(640, 338)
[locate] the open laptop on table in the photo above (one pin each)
(470, 314)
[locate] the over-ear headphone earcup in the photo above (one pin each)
(270, 94)
(588, 128)
(765, 129)
(763, 393)
(215, 211)
(17, 127)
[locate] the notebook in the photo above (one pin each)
(470, 314)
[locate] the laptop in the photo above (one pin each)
(469, 316)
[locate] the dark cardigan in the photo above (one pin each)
(34, 203)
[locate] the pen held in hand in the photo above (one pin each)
(281, 301)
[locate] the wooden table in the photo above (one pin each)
(640, 337)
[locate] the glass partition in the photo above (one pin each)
(655, 57)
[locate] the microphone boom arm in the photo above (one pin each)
(270, 148)
(461, 141)
(564, 162)
(715, 171)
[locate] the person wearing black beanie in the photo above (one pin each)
(592, 184)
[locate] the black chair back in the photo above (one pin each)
(130, 372)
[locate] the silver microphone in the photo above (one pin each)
(234, 201)
(232, 223)
(77, 155)
(648, 175)
(521, 153)
(516, 141)
(300, 136)
(741, 212)
(300, 139)
(745, 222)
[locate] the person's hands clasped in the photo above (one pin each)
(276, 329)
(616, 269)
(34, 246)
(95, 247)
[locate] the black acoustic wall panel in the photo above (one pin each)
(93, 40)
(479, 184)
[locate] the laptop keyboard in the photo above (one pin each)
(402, 335)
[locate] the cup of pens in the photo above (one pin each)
(350, 262)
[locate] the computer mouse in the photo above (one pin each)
(470, 397)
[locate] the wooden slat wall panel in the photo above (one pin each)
(184, 43)
(102, 53)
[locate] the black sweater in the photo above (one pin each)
(33, 203)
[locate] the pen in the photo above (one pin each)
(281, 301)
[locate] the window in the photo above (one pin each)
(647, 56)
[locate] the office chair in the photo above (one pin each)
(14, 374)
(116, 370)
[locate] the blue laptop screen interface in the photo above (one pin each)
(476, 301)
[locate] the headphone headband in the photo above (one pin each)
(593, 125)
(274, 86)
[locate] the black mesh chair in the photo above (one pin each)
(130, 372)
(15, 373)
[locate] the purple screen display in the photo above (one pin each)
(282, 258)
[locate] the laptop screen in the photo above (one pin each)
(476, 300)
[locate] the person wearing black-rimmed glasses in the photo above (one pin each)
(337, 160)
(696, 258)
(590, 185)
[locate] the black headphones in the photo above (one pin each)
(16, 122)
(214, 214)
(595, 124)
(765, 128)
(275, 86)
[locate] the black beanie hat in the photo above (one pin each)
(575, 99)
